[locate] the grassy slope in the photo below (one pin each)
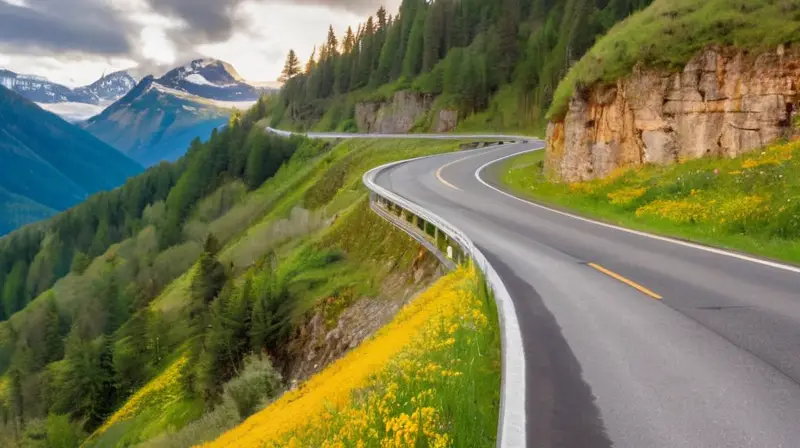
(669, 32)
(333, 181)
(429, 378)
(751, 203)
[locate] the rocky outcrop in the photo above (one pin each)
(723, 103)
(317, 344)
(402, 113)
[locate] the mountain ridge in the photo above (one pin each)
(210, 78)
(50, 162)
(152, 123)
(39, 89)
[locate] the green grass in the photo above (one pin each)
(439, 387)
(669, 32)
(345, 261)
(750, 203)
(506, 113)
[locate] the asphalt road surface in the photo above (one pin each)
(629, 340)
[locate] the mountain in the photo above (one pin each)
(73, 105)
(109, 88)
(46, 164)
(212, 79)
(159, 118)
(40, 90)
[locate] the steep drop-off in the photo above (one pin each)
(724, 102)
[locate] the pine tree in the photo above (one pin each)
(312, 63)
(509, 24)
(210, 276)
(291, 68)
(14, 295)
(349, 41)
(382, 22)
(412, 64)
(16, 401)
(433, 36)
(53, 344)
(332, 44)
(388, 56)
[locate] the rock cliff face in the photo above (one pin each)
(723, 103)
(401, 114)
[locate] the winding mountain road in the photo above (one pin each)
(630, 340)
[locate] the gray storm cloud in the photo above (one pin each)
(214, 20)
(75, 25)
(354, 6)
(211, 19)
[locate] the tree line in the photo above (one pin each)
(466, 50)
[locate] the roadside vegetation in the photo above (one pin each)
(658, 37)
(168, 310)
(429, 378)
(750, 203)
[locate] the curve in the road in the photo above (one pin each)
(715, 362)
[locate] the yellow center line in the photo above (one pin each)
(441, 179)
(630, 283)
(439, 171)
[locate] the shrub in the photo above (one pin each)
(258, 381)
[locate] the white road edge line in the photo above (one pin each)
(712, 250)
(512, 421)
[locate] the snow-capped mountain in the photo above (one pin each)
(154, 122)
(40, 90)
(211, 79)
(158, 118)
(112, 87)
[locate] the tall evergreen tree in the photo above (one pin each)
(291, 68)
(210, 276)
(53, 344)
(312, 62)
(412, 64)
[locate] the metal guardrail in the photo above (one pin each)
(344, 135)
(511, 430)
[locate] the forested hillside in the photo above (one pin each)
(497, 62)
(78, 337)
(144, 309)
(33, 258)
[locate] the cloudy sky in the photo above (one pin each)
(74, 41)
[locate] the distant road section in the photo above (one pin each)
(334, 135)
(630, 340)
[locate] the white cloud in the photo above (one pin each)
(155, 45)
(70, 69)
(259, 47)
(264, 31)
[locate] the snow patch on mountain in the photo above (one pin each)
(196, 78)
